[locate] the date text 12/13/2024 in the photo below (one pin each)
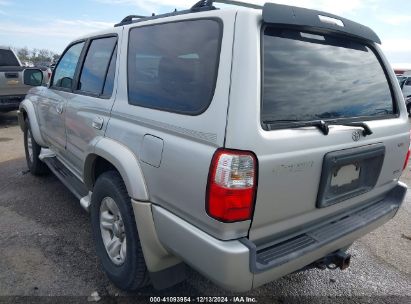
(202, 299)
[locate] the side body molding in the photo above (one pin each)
(27, 107)
(125, 162)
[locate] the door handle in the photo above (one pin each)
(98, 123)
(59, 108)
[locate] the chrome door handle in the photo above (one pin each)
(98, 123)
(59, 108)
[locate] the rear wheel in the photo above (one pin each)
(115, 233)
(32, 150)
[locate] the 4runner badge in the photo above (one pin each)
(356, 135)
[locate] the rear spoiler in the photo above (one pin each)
(317, 21)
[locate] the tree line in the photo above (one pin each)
(36, 57)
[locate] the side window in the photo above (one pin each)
(65, 70)
(109, 83)
(173, 66)
(95, 67)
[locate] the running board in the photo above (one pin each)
(67, 178)
(85, 202)
(46, 153)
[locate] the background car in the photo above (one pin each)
(12, 76)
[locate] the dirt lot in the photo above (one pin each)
(46, 247)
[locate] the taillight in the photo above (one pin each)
(407, 158)
(232, 184)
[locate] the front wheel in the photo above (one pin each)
(115, 233)
(32, 150)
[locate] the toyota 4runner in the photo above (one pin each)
(248, 142)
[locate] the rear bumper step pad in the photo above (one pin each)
(284, 251)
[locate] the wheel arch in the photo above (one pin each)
(110, 154)
(26, 110)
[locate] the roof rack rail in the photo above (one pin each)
(130, 18)
(126, 21)
(200, 6)
(239, 3)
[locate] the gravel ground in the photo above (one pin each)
(46, 248)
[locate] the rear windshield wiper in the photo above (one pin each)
(321, 125)
(366, 129)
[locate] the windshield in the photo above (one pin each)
(310, 77)
(7, 58)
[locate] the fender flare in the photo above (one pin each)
(124, 160)
(27, 107)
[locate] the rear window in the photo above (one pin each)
(173, 66)
(310, 77)
(7, 58)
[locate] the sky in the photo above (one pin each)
(53, 24)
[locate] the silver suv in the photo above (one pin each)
(247, 142)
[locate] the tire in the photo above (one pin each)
(128, 270)
(32, 151)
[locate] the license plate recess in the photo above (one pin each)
(349, 173)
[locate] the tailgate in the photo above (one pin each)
(11, 82)
(304, 107)
(319, 176)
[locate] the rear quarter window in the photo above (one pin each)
(173, 66)
(7, 58)
(310, 77)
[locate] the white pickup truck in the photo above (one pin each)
(12, 74)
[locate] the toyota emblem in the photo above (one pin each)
(356, 135)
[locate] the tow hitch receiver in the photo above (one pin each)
(342, 260)
(339, 259)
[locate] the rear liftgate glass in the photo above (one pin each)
(321, 80)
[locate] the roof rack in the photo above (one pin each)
(277, 14)
(131, 17)
(200, 6)
(238, 3)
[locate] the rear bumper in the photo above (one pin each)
(10, 103)
(239, 265)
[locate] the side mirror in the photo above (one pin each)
(66, 82)
(33, 77)
(402, 85)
